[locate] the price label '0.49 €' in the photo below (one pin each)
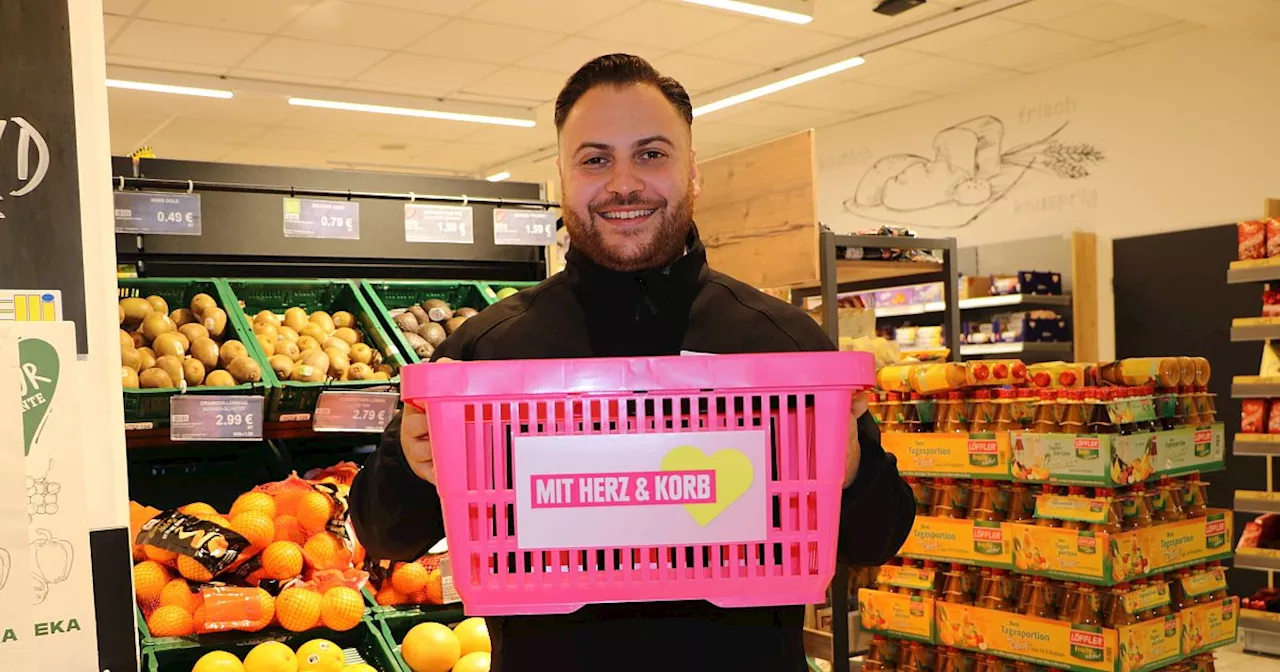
(157, 214)
(338, 411)
(197, 417)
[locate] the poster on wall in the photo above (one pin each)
(17, 638)
(61, 621)
(39, 183)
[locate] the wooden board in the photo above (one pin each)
(758, 213)
(1084, 295)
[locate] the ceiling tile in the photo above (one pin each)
(877, 106)
(111, 25)
(263, 155)
(1160, 34)
(757, 114)
(337, 22)
(670, 26)
(183, 128)
(442, 7)
(466, 155)
(184, 44)
(841, 96)
(930, 73)
(1028, 45)
(878, 62)
(290, 78)
(523, 138)
(310, 139)
(962, 34)
(762, 43)
(123, 103)
(250, 16)
(533, 85)
(300, 57)
(164, 63)
(569, 16)
(425, 74)
(698, 73)
(1068, 57)
(856, 19)
(1109, 22)
(379, 152)
(1039, 11)
(401, 127)
(569, 54)
(244, 108)
(191, 150)
(120, 7)
(468, 40)
(709, 136)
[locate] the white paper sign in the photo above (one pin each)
(61, 574)
(17, 638)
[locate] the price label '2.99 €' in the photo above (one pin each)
(338, 411)
(215, 418)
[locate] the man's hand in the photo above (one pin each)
(415, 440)
(853, 457)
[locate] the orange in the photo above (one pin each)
(341, 608)
(473, 662)
(254, 501)
(289, 529)
(320, 655)
(430, 647)
(160, 555)
(314, 511)
(178, 594)
(255, 526)
(218, 661)
(323, 551)
(170, 621)
(149, 579)
(389, 597)
(432, 592)
(409, 578)
(473, 635)
(282, 560)
(268, 611)
(219, 520)
(298, 609)
(197, 620)
(198, 509)
(271, 657)
(359, 667)
(193, 570)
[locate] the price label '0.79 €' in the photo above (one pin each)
(311, 218)
(338, 411)
(194, 417)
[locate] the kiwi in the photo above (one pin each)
(407, 322)
(155, 378)
(182, 317)
(315, 331)
(361, 353)
(351, 336)
(201, 303)
(325, 320)
(244, 369)
(359, 371)
(337, 344)
(128, 378)
(219, 379)
(344, 319)
(316, 358)
(171, 365)
(296, 319)
(131, 358)
(420, 345)
(182, 338)
(338, 362)
(230, 351)
(306, 343)
(193, 332)
(282, 365)
(268, 317)
(126, 339)
(205, 351)
(380, 375)
(433, 333)
(193, 371)
(158, 304)
(306, 373)
(288, 349)
(437, 310)
(268, 346)
(420, 314)
(465, 312)
(453, 324)
(138, 339)
(148, 358)
(215, 320)
(287, 334)
(135, 309)
(266, 329)
(169, 344)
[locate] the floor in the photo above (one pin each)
(1233, 659)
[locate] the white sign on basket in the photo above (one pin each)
(659, 489)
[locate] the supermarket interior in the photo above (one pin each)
(1033, 245)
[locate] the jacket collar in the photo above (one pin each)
(676, 282)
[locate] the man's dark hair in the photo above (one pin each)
(619, 70)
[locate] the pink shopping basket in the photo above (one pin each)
(711, 478)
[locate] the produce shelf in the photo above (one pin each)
(1264, 559)
(1251, 387)
(1257, 501)
(393, 296)
(1253, 270)
(1256, 619)
(362, 644)
(1256, 445)
(978, 303)
(143, 437)
(1254, 329)
(1062, 349)
(491, 288)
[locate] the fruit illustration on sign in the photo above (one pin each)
(53, 557)
(6, 565)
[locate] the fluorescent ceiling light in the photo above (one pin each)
(412, 112)
(168, 88)
(755, 10)
(779, 85)
(498, 177)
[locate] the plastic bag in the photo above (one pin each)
(213, 546)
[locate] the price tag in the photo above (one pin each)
(311, 218)
(437, 223)
(197, 417)
(523, 227)
(157, 214)
(338, 411)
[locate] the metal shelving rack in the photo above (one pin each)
(837, 276)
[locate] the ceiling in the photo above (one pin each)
(518, 53)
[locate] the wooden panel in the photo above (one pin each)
(758, 213)
(1272, 207)
(1084, 295)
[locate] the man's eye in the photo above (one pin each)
(594, 161)
(651, 154)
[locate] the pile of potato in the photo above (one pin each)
(186, 347)
(317, 347)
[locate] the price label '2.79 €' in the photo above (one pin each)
(338, 411)
(198, 417)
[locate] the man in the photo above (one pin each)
(636, 283)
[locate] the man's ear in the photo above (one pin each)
(694, 175)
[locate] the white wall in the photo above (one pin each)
(1188, 128)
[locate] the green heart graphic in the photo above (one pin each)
(40, 368)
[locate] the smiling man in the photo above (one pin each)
(636, 283)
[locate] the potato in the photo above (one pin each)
(205, 351)
(128, 378)
(296, 319)
(361, 353)
(158, 304)
(201, 303)
(230, 351)
(193, 371)
(344, 319)
(171, 365)
(282, 365)
(324, 320)
(351, 336)
(193, 332)
(219, 379)
(131, 358)
(154, 379)
(183, 317)
(169, 344)
(215, 320)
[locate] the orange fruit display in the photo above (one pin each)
(170, 621)
(473, 662)
(260, 502)
(298, 609)
(388, 596)
(268, 611)
(430, 647)
(314, 511)
(289, 529)
(282, 560)
(167, 558)
(409, 578)
(271, 657)
(149, 579)
(473, 636)
(199, 509)
(193, 570)
(341, 608)
(324, 551)
(257, 527)
(320, 655)
(218, 661)
(178, 594)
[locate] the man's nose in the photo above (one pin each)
(623, 179)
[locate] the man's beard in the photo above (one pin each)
(665, 245)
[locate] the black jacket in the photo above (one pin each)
(590, 311)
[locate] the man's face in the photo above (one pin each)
(628, 177)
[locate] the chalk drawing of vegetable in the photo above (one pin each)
(968, 174)
(53, 559)
(6, 565)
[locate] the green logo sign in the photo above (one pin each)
(39, 380)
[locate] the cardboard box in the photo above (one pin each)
(971, 542)
(986, 455)
(974, 286)
(897, 615)
(1111, 460)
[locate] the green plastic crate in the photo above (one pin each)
(490, 288)
(292, 398)
(393, 627)
(417, 613)
(388, 296)
(152, 405)
(362, 644)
